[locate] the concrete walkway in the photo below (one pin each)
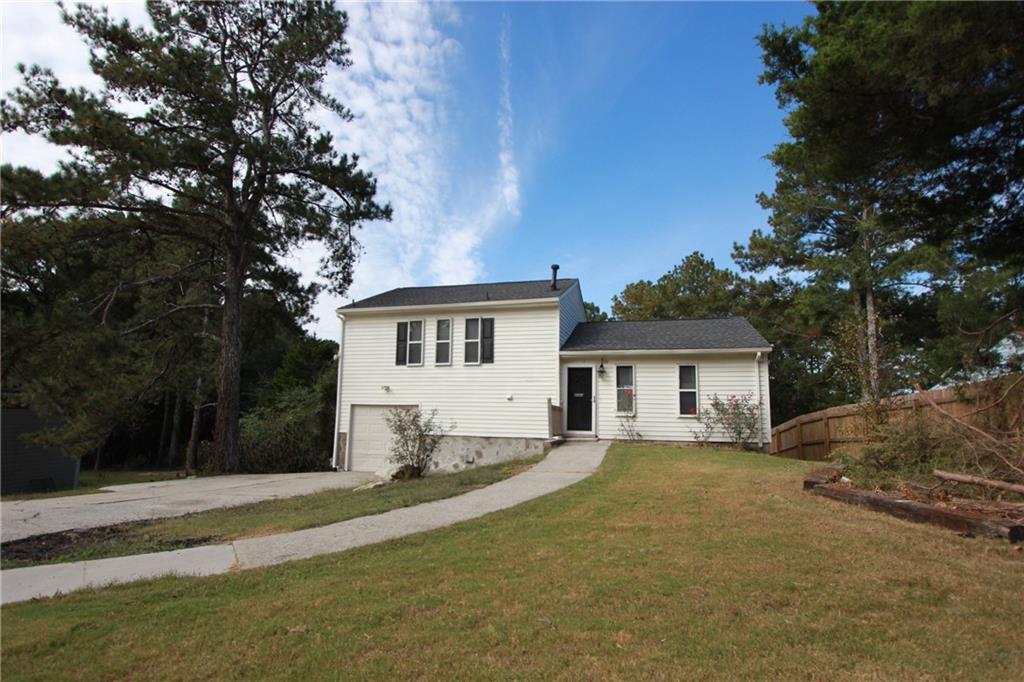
(161, 499)
(563, 467)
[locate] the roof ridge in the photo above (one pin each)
(676, 319)
(477, 284)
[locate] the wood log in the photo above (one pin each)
(978, 480)
(918, 512)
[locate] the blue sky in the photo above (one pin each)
(613, 139)
(640, 132)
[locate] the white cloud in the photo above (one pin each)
(509, 172)
(398, 88)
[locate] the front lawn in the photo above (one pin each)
(667, 563)
(246, 521)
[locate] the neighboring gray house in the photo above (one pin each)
(514, 364)
(29, 468)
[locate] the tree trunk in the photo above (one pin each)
(225, 437)
(99, 455)
(172, 449)
(862, 375)
(872, 334)
(193, 439)
(165, 429)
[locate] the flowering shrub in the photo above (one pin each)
(737, 416)
(415, 439)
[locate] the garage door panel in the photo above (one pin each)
(371, 437)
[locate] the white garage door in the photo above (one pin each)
(371, 438)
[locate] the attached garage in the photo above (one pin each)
(370, 438)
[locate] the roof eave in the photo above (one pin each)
(662, 351)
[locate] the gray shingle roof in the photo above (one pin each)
(463, 293)
(716, 333)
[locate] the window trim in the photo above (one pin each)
(450, 340)
(466, 340)
(631, 413)
(479, 341)
(695, 390)
(409, 342)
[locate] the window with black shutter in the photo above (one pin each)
(401, 349)
(487, 339)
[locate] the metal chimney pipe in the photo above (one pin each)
(554, 277)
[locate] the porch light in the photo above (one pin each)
(600, 368)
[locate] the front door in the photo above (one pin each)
(580, 385)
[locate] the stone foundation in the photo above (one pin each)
(464, 452)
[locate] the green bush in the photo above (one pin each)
(292, 433)
(904, 450)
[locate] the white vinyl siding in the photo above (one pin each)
(570, 312)
(506, 398)
(657, 392)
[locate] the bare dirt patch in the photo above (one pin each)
(51, 547)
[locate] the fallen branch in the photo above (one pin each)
(978, 480)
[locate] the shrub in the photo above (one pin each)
(737, 416)
(628, 429)
(293, 433)
(415, 440)
(986, 439)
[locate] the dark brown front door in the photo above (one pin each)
(580, 386)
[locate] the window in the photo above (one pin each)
(479, 340)
(443, 343)
(688, 390)
(409, 344)
(625, 390)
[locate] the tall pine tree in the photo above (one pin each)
(203, 133)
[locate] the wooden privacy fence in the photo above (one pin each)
(816, 435)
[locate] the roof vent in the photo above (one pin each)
(554, 277)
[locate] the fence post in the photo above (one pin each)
(800, 439)
(828, 438)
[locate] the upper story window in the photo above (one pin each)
(479, 340)
(688, 403)
(409, 344)
(443, 343)
(625, 389)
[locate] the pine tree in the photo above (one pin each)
(202, 135)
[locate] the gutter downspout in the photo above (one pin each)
(760, 403)
(337, 396)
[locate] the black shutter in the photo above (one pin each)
(487, 340)
(401, 349)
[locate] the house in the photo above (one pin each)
(510, 366)
(29, 467)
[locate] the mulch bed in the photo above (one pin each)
(968, 517)
(51, 547)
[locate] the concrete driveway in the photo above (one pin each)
(160, 499)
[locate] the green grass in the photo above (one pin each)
(668, 563)
(260, 518)
(90, 481)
